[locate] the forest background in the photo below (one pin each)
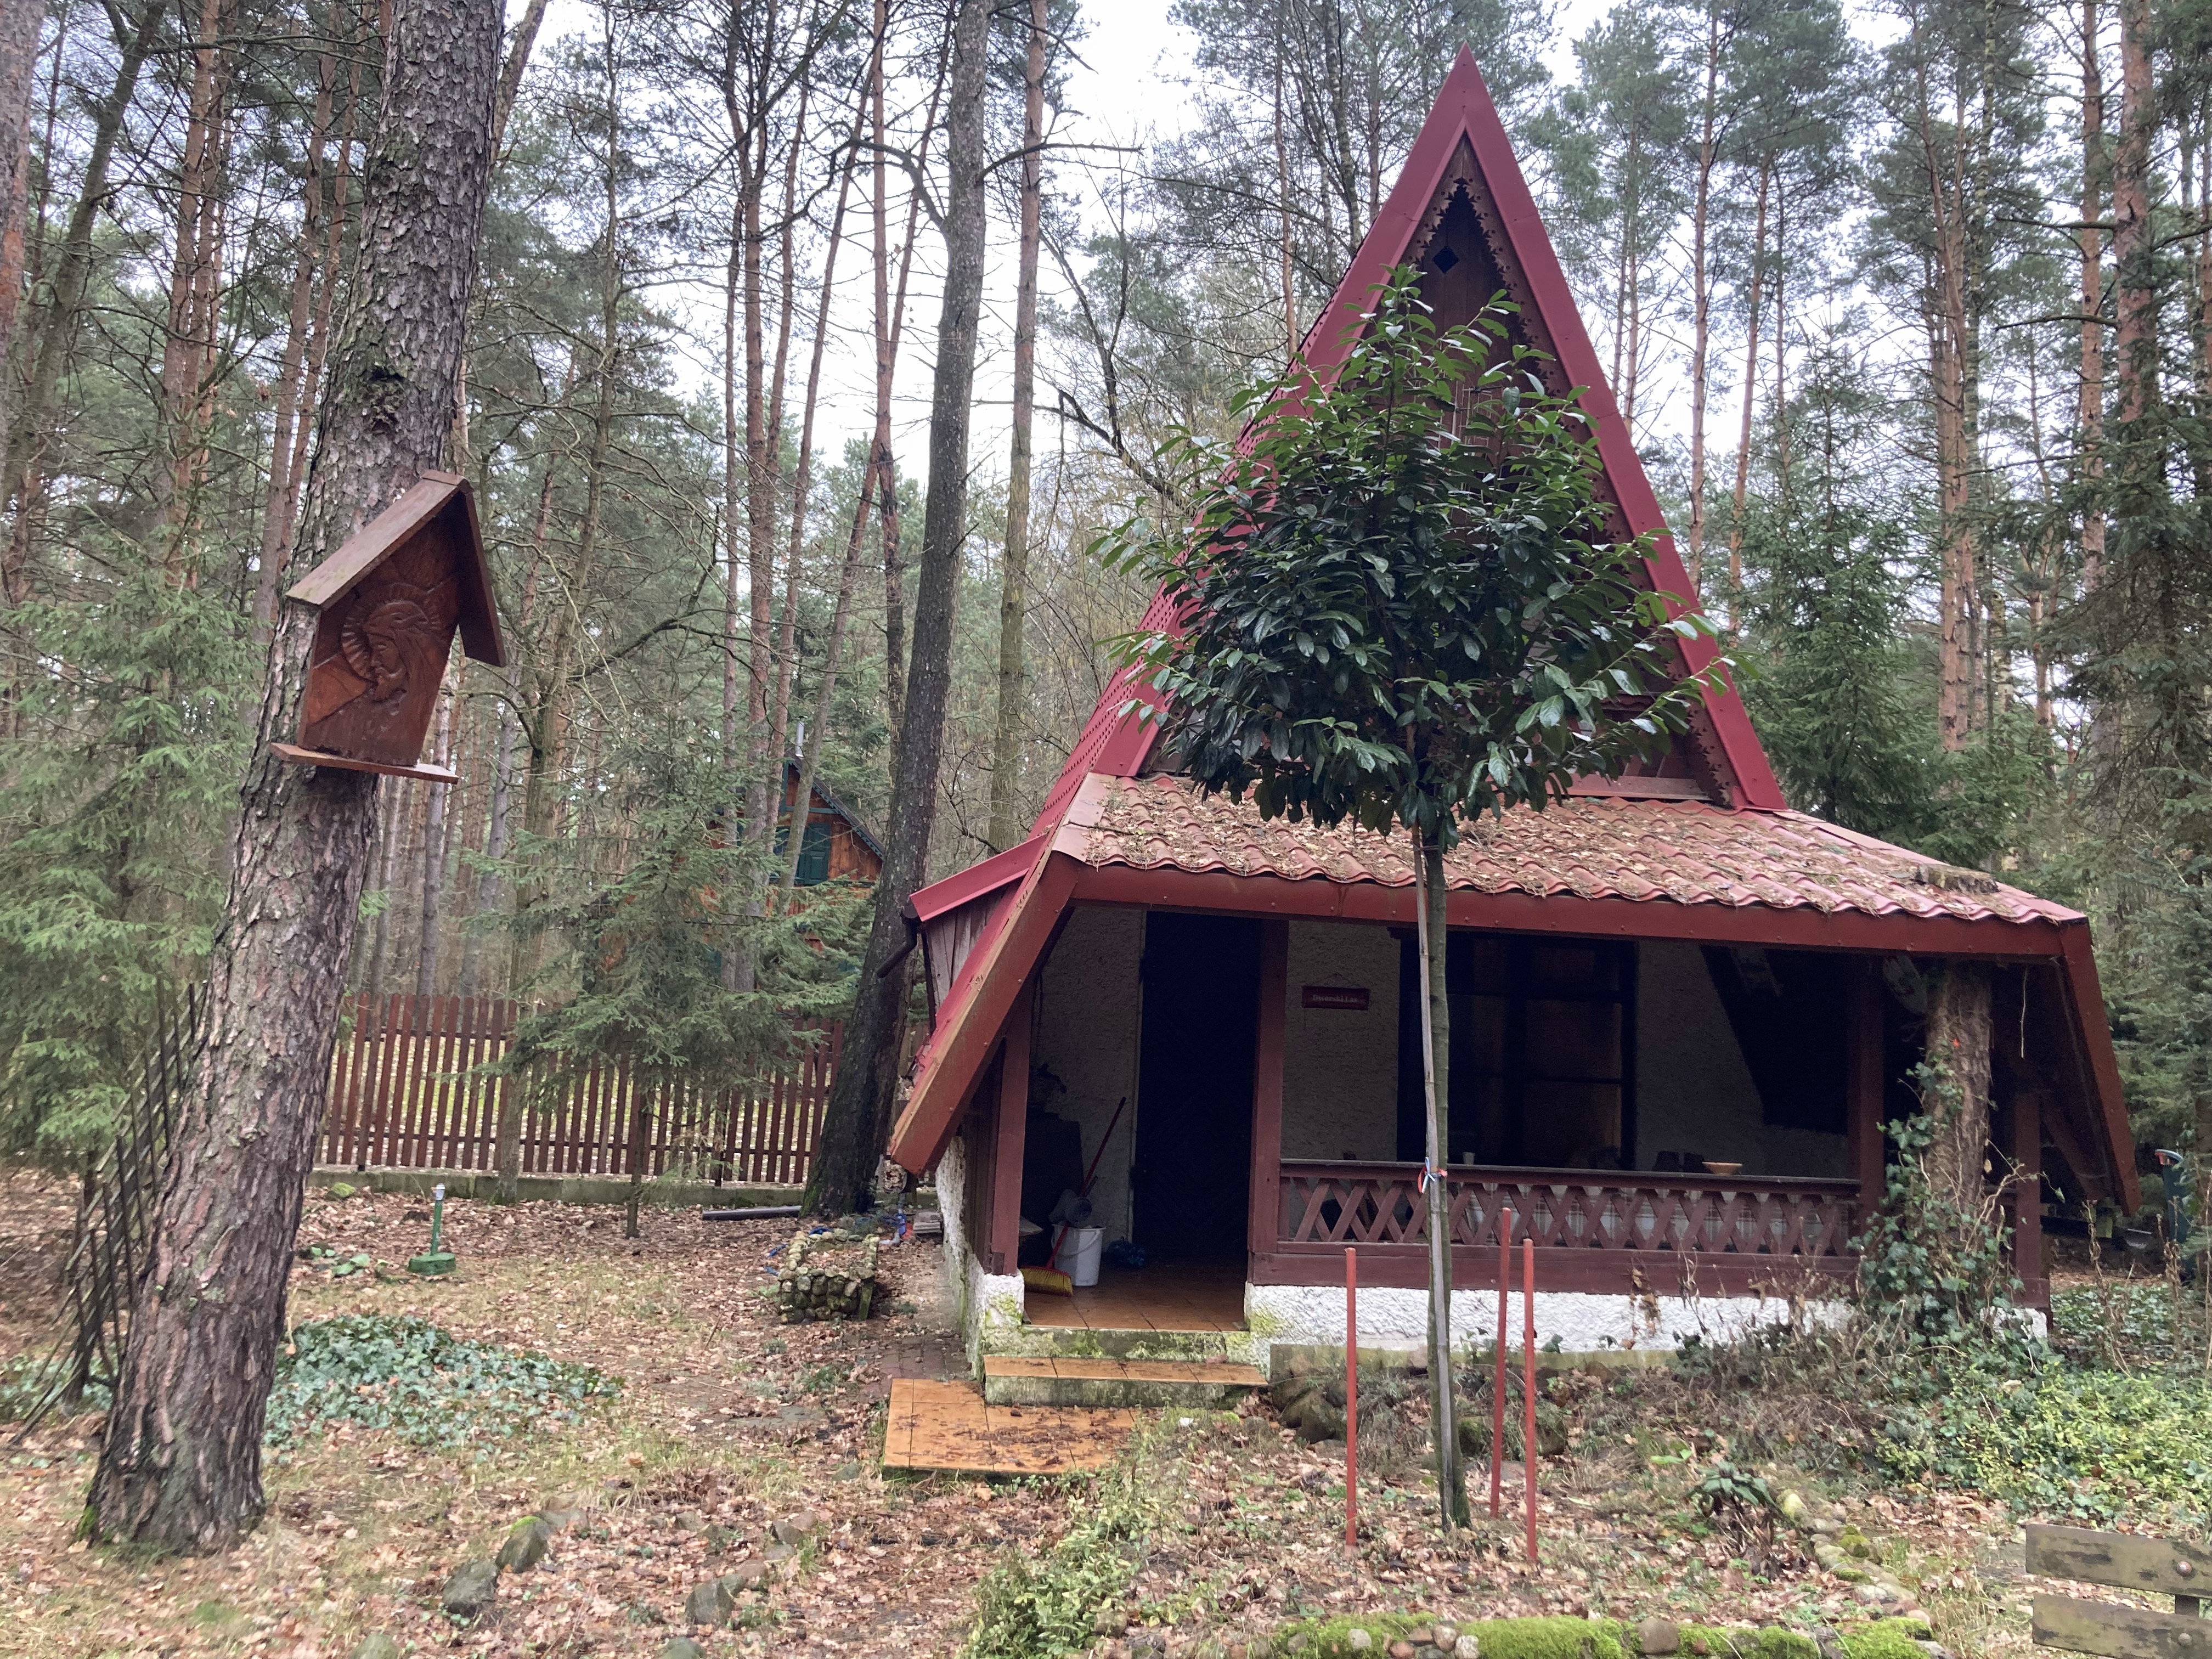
(1909, 306)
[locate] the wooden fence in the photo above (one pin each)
(408, 1091)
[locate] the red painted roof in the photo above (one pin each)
(1678, 851)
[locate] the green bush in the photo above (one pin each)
(1040, 1607)
(428, 1387)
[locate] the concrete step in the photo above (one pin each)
(1009, 1381)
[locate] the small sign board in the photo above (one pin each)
(391, 600)
(1351, 998)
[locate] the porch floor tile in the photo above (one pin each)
(1171, 1296)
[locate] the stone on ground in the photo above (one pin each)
(683, 1647)
(470, 1591)
(710, 1603)
(525, 1546)
(376, 1645)
(1656, 1635)
(747, 1575)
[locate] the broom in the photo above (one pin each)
(1048, 1278)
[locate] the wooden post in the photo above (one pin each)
(2027, 1193)
(1012, 1134)
(1351, 1398)
(1862, 1089)
(1266, 1178)
(1498, 1381)
(1528, 1385)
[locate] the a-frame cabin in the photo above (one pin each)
(1680, 1012)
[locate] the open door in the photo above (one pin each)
(1193, 1164)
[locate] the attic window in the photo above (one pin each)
(1445, 260)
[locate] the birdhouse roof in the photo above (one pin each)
(442, 505)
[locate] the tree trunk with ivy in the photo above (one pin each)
(180, 1466)
(1959, 1041)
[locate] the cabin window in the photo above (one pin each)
(1542, 1036)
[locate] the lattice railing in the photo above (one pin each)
(1380, 1204)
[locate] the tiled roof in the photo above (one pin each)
(1685, 852)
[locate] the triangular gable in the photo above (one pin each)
(1461, 170)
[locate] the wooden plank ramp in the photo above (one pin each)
(947, 1426)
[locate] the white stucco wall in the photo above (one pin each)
(979, 1298)
(1087, 1037)
(1340, 1068)
(1583, 1322)
(1693, 1091)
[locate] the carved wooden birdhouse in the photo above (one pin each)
(391, 600)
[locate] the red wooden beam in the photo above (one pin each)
(1006, 1240)
(2087, 998)
(1801, 927)
(2028, 1195)
(1265, 1195)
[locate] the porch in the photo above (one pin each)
(1242, 1095)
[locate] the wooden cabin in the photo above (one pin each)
(834, 846)
(1680, 1012)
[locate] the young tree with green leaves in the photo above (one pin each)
(1399, 606)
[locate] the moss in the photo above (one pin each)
(1559, 1638)
(1330, 1639)
(1743, 1642)
(1888, 1638)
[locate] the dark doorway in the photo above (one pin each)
(1193, 1166)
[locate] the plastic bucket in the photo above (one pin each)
(1085, 1246)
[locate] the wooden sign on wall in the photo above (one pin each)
(390, 601)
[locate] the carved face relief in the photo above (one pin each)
(386, 644)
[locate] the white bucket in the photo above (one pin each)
(1085, 1246)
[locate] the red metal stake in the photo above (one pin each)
(1528, 1384)
(1497, 1383)
(1351, 1398)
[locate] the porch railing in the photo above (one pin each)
(1380, 1204)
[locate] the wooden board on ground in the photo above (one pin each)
(2156, 1566)
(2119, 1632)
(946, 1425)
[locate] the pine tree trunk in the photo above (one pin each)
(19, 23)
(1013, 585)
(1436, 1066)
(487, 898)
(181, 1464)
(386, 857)
(862, 1098)
(2090, 467)
(802, 477)
(72, 272)
(2135, 292)
(1959, 1039)
(1750, 392)
(1701, 296)
(433, 852)
(291, 374)
(1283, 215)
